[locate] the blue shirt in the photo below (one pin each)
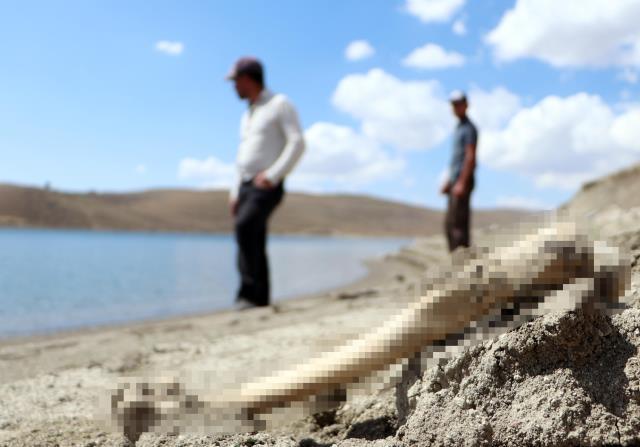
(464, 135)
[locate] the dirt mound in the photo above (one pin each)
(618, 189)
(563, 379)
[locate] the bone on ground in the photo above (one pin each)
(543, 261)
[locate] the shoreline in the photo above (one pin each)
(80, 328)
(173, 319)
(52, 386)
(204, 233)
(117, 346)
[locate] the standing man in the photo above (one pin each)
(271, 143)
(461, 175)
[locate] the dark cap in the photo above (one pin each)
(457, 96)
(245, 65)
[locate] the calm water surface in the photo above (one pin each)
(53, 280)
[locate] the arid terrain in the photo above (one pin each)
(207, 211)
(563, 379)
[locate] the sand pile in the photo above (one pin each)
(563, 379)
(617, 189)
(568, 378)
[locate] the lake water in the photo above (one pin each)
(52, 280)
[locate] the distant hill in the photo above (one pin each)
(620, 189)
(207, 211)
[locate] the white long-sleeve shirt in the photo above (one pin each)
(271, 140)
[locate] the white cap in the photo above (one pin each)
(457, 96)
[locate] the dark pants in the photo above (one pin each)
(254, 208)
(458, 221)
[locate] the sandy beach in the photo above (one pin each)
(50, 385)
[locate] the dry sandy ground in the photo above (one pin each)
(50, 387)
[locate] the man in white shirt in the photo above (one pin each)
(271, 143)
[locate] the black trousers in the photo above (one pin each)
(458, 221)
(254, 209)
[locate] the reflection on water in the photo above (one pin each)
(52, 280)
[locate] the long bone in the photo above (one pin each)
(540, 263)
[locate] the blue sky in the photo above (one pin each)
(127, 95)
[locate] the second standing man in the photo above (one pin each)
(461, 175)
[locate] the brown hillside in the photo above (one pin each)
(620, 189)
(207, 211)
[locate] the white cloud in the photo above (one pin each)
(434, 10)
(169, 47)
(626, 129)
(625, 94)
(492, 109)
(570, 33)
(210, 172)
(562, 142)
(443, 176)
(521, 202)
(629, 75)
(358, 50)
(338, 158)
(432, 56)
(459, 28)
(410, 115)
(141, 169)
